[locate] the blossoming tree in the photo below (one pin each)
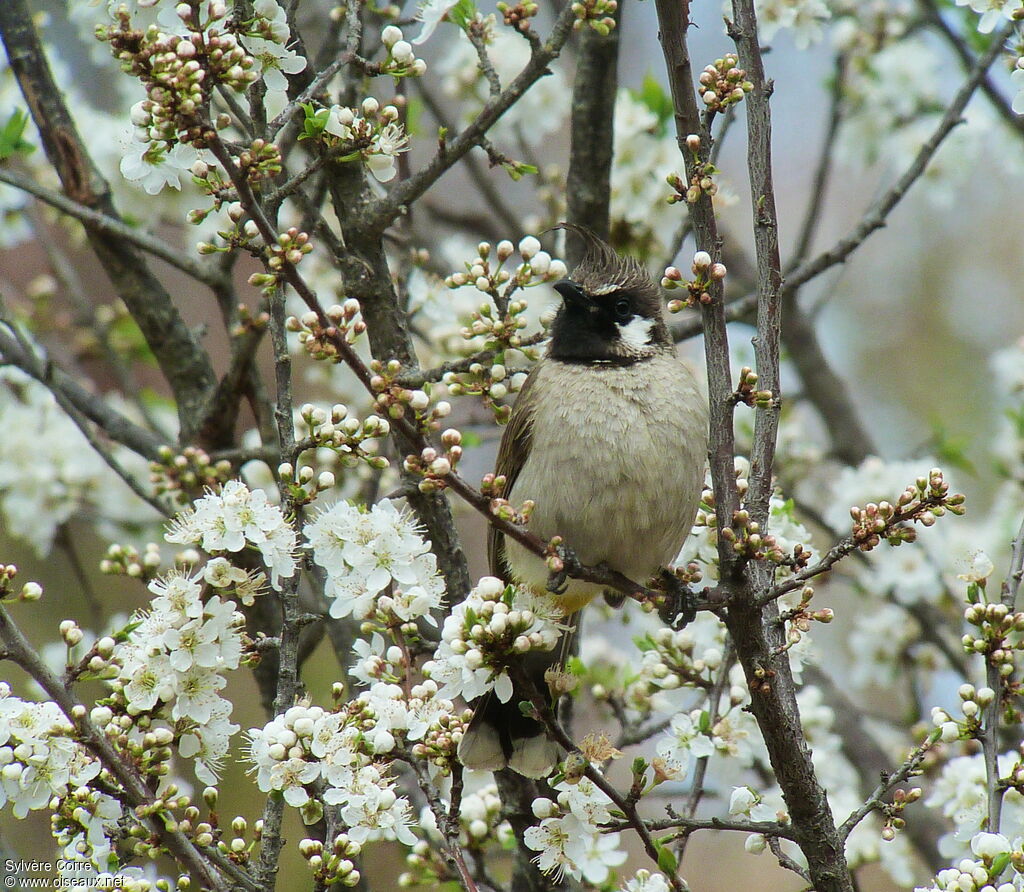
(277, 427)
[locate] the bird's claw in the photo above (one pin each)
(680, 607)
(558, 581)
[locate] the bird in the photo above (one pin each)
(608, 438)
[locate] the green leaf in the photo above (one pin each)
(998, 865)
(667, 862)
(784, 510)
(471, 438)
(950, 449)
(314, 122)
(11, 142)
(656, 98)
(705, 721)
(973, 593)
(517, 169)
(645, 643)
(413, 115)
(462, 13)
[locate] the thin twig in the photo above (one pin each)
(875, 801)
(992, 713)
(112, 226)
(876, 216)
(819, 184)
(496, 203)
(288, 652)
(557, 733)
(1000, 103)
(382, 211)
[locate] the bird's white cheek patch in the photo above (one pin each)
(636, 333)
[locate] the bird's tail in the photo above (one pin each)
(500, 736)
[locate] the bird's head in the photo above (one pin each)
(611, 309)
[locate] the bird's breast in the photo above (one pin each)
(615, 466)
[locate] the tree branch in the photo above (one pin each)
(381, 212)
(113, 226)
(184, 364)
(673, 20)
(592, 134)
(91, 405)
(875, 218)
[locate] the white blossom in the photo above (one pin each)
(472, 658)
(365, 551)
(431, 12)
(992, 12)
(233, 518)
(645, 881)
(570, 846)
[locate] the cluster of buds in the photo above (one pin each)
(401, 60)
(242, 234)
(722, 84)
(496, 624)
(30, 591)
(892, 813)
(925, 500)
(319, 336)
(204, 833)
(96, 662)
(423, 867)
(977, 876)
(747, 393)
(998, 636)
(187, 474)
(395, 401)
(441, 739)
(210, 180)
(433, 465)
(290, 248)
(493, 486)
(973, 701)
(670, 660)
(125, 560)
(260, 162)
(490, 382)
(701, 182)
(351, 439)
(333, 866)
(799, 618)
(748, 540)
(305, 486)
(599, 14)
(248, 321)
(706, 273)
(237, 847)
(518, 16)
(489, 276)
(179, 72)
(480, 815)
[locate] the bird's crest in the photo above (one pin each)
(602, 271)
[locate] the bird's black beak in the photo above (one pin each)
(572, 293)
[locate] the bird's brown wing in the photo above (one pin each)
(516, 442)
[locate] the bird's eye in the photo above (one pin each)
(622, 309)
